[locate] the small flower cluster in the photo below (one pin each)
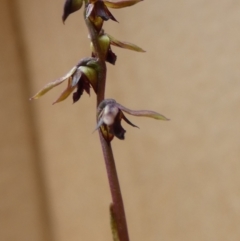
(97, 12)
(85, 74)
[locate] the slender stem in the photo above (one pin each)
(118, 207)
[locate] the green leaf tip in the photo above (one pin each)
(113, 224)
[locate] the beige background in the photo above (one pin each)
(180, 179)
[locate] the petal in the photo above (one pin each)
(109, 120)
(146, 113)
(94, 64)
(91, 15)
(89, 10)
(77, 95)
(128, 121)
(103, 104)
(66, 92)
(109, 114)
(121, 3)
(105, 130)
(103, 12)
(85, 61)
(111, 57)
(124, 45)
(99, 124)
(86, 86)
(117, 129)
(76, 77)
(52, 84)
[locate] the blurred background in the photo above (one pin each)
(180, 179)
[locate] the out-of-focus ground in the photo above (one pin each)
(180, 179)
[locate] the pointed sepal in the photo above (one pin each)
(66, 92)
(143, 113)
(125, 45)
(53, 84)
(121, 3)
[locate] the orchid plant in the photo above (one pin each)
(90, 72)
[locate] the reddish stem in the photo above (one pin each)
(118, 207)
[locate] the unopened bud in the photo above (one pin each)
(104, 43)
(71, 6)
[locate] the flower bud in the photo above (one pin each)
(71, 6)
(104, 42)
